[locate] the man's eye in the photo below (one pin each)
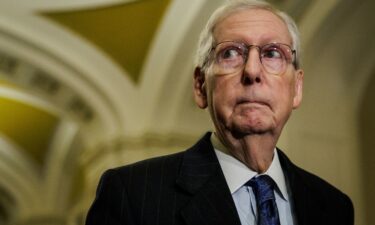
(272, 53)
(229, 53)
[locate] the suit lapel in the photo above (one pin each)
(306, 204)
(201, 176)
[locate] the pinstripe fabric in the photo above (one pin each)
(189, 188)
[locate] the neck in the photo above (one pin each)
(256, 151)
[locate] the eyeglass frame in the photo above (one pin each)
(248, 47)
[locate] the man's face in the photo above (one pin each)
(250, 101)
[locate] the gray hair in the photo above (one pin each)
(206, 39)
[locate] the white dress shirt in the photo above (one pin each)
(237, 174)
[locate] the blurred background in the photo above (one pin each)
(86, 85)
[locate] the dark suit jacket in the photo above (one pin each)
(189, 188)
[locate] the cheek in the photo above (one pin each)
(282, 95)
(222, 95)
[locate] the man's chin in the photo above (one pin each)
(256, 129)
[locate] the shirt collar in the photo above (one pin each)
(237, 174)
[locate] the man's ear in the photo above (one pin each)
(199, 88)
(298, 87)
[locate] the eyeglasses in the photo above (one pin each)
(230, 57)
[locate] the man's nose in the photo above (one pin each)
(252, 72)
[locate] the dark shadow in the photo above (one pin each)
(367, 143)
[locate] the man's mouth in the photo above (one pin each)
(250, 102)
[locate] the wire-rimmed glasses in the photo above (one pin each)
(231, 57)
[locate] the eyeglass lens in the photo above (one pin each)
(232, 56)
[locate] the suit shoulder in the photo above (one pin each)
(167, 165)
(168, 160)
(333, 198)
(324, 189)
(315, 184)
(311, 181)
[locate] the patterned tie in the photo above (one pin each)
(267, 210)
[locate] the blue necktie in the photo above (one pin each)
(263, 187)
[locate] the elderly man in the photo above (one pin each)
(248, 76)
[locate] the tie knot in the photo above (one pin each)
(263, 187)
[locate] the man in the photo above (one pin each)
(248, 76)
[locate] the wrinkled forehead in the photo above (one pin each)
(252, 25)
